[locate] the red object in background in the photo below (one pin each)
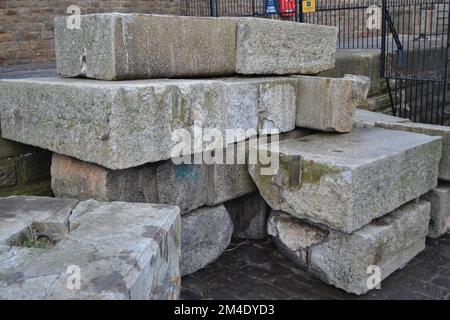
(287, 7)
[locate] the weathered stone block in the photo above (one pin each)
(431, 130)
(140, 260)
(267, 46)
(188, 186)
(127, 124)
(367, 119)
(329, 104)
(439, 199)
(205, 234)
(72, 178)
(249, 215)
(117, 46)
(343, 260)
(345, 181)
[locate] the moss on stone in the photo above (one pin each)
(312, 172)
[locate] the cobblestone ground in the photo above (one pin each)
(257, 270)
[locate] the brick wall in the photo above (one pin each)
(26, 26)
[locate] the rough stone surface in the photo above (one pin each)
(123, 251)
(138, 46)
(121, 125)
(205, 234)
(249, 215)
(428, 129)
(440, 209)
(188, 186)
(343, 259)
(273, 47)
(345, 181)
(367, 119)
(72, 178)
(329, 104)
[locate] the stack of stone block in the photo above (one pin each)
(111, 134)
(343, 198)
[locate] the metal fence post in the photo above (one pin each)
(213, 7)
(299, 11)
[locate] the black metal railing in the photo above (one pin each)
(349, 16)
(415, 58)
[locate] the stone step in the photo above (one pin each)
(431, 130)
(345, 181)
(439, 199)
(352, 261)
(161, 182)
(140, 261)
(120, 125)
(115, 46)
(329, 104)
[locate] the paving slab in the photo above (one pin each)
(345, 181)
(118, 46)
(107, 250)
(121, 125)
(348, 261)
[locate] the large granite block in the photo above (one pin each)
(329, 104)
(348, 261)
(205, 234)
(429, 129)
(439, 199)
(345, 181)
(115, 46)
(120, 125)
(93, 250)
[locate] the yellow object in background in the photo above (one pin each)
(309, 6)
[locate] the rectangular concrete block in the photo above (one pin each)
(329, 104)
(140, 261)
(205, 234)
(115, 46)
(343, 260)
(429, 129)
(267, 46)
(367, 119)
(345, 181)
(121, 125)
(439, 199)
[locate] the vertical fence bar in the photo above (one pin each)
(213, 6)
